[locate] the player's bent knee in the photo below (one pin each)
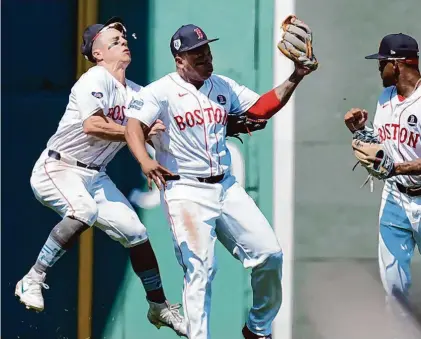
(129, 233)
(84, 210)
(134, 239)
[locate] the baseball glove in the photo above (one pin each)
(371, 155)
(297, 43)
(241, 124)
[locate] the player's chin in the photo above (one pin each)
(126, 58)
(206, 74)
(388, 82)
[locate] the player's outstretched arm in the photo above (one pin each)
(297, 45)
(135, 138)
(102, 127)
(272, 102)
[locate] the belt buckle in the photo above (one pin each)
(205, 180)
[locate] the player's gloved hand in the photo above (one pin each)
(372, 156)
(155, 172)
(355, 119)
(297, 45)
(241, 123)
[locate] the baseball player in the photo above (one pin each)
(202, 199)
(397, 125)
(70, 178)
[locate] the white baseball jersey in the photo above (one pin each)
(398, 124)
(194, 142)
(96, 89)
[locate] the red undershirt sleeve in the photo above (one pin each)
(267, 105)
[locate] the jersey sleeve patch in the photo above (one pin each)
(97, 95)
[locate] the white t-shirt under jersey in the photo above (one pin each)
(398, 124)
(96, 89)
(194, 141)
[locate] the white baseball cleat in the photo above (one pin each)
(29, 290)
(167, 315)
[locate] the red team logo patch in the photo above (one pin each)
(199, 33)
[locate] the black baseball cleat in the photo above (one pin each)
(250, 335)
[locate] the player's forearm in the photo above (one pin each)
(285, 90)
(408, 168)
(272, 102)
(135, 138)
(104, 128)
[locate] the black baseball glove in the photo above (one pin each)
(241, 124)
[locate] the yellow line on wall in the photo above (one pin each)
(87, 15)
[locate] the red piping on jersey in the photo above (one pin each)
(217, 144)
(204, 120)
(399, 137)
(266, 106)
(214, 130)
(58, 189)
(204, 129)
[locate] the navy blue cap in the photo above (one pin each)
(91, 32)
(396, 46)
(188, 37)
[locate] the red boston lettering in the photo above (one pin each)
(198, 116)
(117, 113)
(395, 130)
(209, 110)
(413, 139)
(387, 131)
(381, 136)
(218, 115)
(403, 135)
(189, 119)
(225, 119)
(180, 122)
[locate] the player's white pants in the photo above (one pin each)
(400, 218)
(88, 196)
(199, 213)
